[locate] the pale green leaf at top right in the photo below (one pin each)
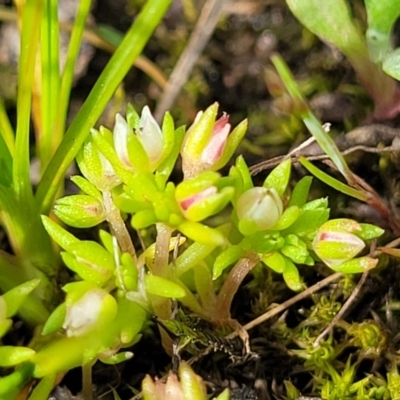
(391, 64)
(382, 15)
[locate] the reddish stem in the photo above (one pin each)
(231, 286)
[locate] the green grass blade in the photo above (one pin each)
(327, 179)
(50, 60)
(111, 77)
(6, 162)
(21, 217)
(6, 130)
(31, 20)
(314, 126)
(68, 72)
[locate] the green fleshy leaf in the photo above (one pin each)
(291, 276)
(300, 192)
(266, 243)
(198, 135)
(90, 261)
(356, 265)
(275, 261)
(279, 177)
(55, 320)
(14, 355)
(90, 164)
(143, 187)
(240, 172)
(369, 231)
(167, 165)
(129, 272)
(162, 211)
(289, 216)
(130, 319)
(16, 296)
(202, 233)
(143, 219)
(211, 205)
(168, 129)
(130, 205)
(391, 64)
(132, 117)
(163, 287)
(76, 290)
(233, 141)
(192, 386)
(317, 204)
(295, 249)
(192, 256)
(13, 383)
(79, 211)
(63, 238)
(107, 150)
(71, 348)
(94, 253)
(107, 241)
(226, 258)
(86, 186)
(192, 186)
(342, 225)
(248, 227)
(308, 223)
(137, 154)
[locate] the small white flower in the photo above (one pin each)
(84, 315)
(261, 207)
(149, 135)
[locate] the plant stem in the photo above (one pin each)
(87, 390)
(231, 286)
(118, 227)
(162, 249)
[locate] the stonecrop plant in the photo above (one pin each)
(182, 219)
(116, 287)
